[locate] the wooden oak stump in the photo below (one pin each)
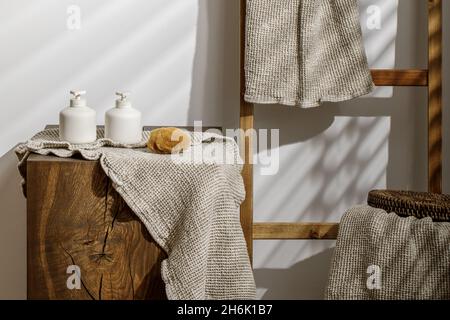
(79, 228)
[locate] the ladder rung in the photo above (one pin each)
(411, 77)
(286, 231)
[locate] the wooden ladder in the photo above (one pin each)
(431, 78)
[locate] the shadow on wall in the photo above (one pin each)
(215, 74)
(361, 133)
(306, 279)
(13, 275)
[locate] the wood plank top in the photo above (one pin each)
(34, 157)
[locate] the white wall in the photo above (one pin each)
(180, 60)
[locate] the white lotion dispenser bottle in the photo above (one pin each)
(77, 123)
(123, 123)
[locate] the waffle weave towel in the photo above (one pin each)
(303, 52)
(381, 256)
(189, 204)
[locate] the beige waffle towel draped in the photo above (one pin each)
(189, 204)
(304, 52)
(381, 256)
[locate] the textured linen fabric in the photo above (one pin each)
(413, 256)
(188, 202)
(303, 52)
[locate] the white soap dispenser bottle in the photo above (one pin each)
(77, 123)
(123, 123)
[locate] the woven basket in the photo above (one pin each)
(407, 203)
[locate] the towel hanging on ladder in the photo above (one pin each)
(304, 52)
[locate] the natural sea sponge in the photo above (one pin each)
(169, 140)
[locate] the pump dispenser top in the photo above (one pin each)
(123, 123)
(77, 123)
(123, 101)
(77, 100)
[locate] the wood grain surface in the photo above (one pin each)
(400, 78)
(435, 96)
(76, 218)
(295, 231)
